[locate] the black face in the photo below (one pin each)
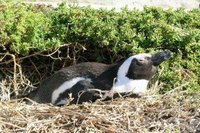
(158, 58)
(144, 65)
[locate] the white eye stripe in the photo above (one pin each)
(142, 56)
(123, 69)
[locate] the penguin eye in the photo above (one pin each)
(147, 58)
(138, 62)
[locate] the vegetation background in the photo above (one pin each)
(37, 40)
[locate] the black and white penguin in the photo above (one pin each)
(81, 81)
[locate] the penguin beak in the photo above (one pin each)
(158, 58)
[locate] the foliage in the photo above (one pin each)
(25, 29)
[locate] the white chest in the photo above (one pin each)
(125, 85)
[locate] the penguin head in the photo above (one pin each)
(143, 66)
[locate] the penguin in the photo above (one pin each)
(84, 82)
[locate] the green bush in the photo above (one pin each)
(25, 29)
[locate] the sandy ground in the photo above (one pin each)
(131, 4)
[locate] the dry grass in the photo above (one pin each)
(176, 111)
